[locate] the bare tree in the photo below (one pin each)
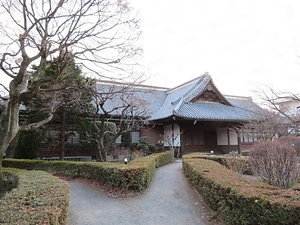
(284, 104)
(99, 33)
(275, 162)
(279, 118)
(119, 104)
(273, 158)
(267, 125)
(170, 141)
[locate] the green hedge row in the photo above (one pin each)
(39, 198)
(239, 200)
(135, 175)
(222, 159)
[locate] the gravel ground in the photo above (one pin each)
(169, 200)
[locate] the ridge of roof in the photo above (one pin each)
(175, 110)
(198, 88)
(132, 84)
(187, 83)
(238, 97)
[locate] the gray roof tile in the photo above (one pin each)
(179, 102)
(214, 111)
(146, 100)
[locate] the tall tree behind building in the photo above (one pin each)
(71, 94)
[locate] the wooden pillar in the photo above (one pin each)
(228, 138)
(239, 142)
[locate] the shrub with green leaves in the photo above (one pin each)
(239, 200)
(135, 175)
(144, 145)
(233, 161)
(39, 198)
(126, 139)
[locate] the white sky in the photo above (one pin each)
(241, 43)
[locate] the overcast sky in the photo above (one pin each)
(241, 43)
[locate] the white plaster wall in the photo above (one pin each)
(222, 137)
(168, 134)
(233, 138)
(176, 128)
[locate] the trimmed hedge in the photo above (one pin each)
(222, 159)
(135, 175)
(239, 200)
(39, 198)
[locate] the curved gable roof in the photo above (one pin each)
(176, 96)
(201, 100)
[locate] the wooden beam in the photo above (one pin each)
(228, 138)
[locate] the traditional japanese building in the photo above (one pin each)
(191, 117)
(198, 117)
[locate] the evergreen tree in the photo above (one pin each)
(70, 96)
(28, 145)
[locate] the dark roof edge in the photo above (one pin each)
(133, 84)
(238, 97)
(188, 82)
(219, 92)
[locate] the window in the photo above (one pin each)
(73, 138)
(119, 140)
(135, 137)
(248, 136)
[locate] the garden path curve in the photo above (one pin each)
(169, 200)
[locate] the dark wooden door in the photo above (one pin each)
(210, 138)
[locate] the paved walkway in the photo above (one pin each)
(168, 200)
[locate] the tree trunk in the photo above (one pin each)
(1, 176)
(101, 149)
(9, 128)
(100, 154)
(62, 135)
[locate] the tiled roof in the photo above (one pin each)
(176, 96)
(145, 100)
(213, 111)
(179, 103)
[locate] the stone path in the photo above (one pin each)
(169, 200)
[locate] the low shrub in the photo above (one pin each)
(275, 162)
(135, 175)
(236, 162)
(239, 200)
(246, 153)
(39, 198)
(10, 181)
(233, 161)
(293, 141)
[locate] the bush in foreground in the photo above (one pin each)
(39, 198)
(136, 175)
(275, 162)
(239, 200)
(236, 162)
(233, 160)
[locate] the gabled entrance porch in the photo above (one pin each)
(202, 136)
